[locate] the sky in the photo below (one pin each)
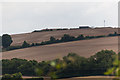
(23, 17)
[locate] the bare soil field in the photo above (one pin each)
(91, 78)
(78, 78)
(37, 37)
(84, 48)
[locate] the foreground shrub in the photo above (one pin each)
(71, 65)
(16, 76)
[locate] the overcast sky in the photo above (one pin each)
(28, 16)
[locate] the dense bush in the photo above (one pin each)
(18, 65)
(70, 66)
(80, 66)
(15, 76)
(101, 61)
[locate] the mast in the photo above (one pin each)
(104, 23)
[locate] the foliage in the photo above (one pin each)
(44, 30)
(70, 66)
(25, 44)
(15, 76)
(67, 38)
(18, 65)
(114, 34)
(115, 69)
(52, 39)
(13, 48)
(6, 40)
(80, 37)
(101, 61)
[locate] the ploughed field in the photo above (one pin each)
(84, 48)
(91, 78)
(80, 78)
(37, 37)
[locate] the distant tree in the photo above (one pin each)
(25, 44)
(37, 44)
(32, 44)
(67, 37)
(52, 39)
(6, 40)
(57, 40)
(42, 43)
(115, 32)
(80, 37)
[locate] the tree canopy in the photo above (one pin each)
(71, 65)
(6, 40)
(25, 44)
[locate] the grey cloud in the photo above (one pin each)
(25, 17)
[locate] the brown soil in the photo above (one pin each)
(84, 48)
(38, 37)
(91, 78)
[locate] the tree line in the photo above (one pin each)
(71, 65)
(7, 40)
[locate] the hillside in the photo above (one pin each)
(84, 48)
(37, 37)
